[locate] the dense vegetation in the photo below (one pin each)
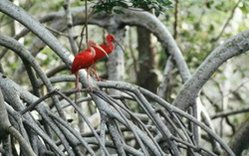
(177, 50)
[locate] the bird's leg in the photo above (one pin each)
(78, 87)
(88, 70)
(96, 74)
(77, 84)
(88, 74)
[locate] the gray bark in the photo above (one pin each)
(147, 77)
(187, 96)
(116, 69)
(239, 141)
(4, 120)
(234, 46)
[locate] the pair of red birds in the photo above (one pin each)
(94, 52)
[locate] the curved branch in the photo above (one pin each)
(76, 134)
(137, 18)
(227, 21)
(6, 128)
(45, 137)
(25, 55)
(153, 24)
(23, 143)
(10, 88)
(129, 18)
(229, 112)
(23, 17)
(4, 121)
(232, 47)
(170, 108)
(117, 139)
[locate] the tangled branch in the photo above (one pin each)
(158, 128)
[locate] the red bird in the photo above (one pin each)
(86, 58)
(107, 47)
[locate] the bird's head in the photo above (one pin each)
(110, 38)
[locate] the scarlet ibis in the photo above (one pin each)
(84, 60)
(87, 57)
(107, 47)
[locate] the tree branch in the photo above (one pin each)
(232, 47)
(25, 55)
(6, 128)
(20, 15)
(69, 20)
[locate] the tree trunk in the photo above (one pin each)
(240, 140)
(116, 58)
(147, 77)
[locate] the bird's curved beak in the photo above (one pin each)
(116, 42)
(100, 48)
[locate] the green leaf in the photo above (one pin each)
(149, 5)
(117, 11)
(122, 4)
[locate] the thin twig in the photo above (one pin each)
(57, 32)
(153, 97)
(229, 113)
(33, 105)
(24, 54)
(227, 21)
(75, 133)
(176, 19)
(126, 121)
(86, 21)
(133, 118)
(85, 119)
(44, 136)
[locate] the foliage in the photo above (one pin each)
(200, 23)
(158, 6)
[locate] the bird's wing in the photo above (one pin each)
(76, 63)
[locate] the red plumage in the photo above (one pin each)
(86, 58)
(108, 47)
(82, 60)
